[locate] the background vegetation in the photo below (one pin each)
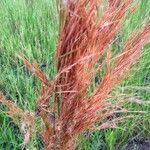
(31, 27)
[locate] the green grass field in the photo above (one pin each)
(31, 27)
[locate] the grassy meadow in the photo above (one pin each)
(31, 27)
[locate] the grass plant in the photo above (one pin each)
(83, 48)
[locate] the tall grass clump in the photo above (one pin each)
(70, 103)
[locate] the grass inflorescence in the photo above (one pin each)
(31, 27)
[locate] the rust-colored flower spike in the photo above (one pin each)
(83, 51)
(84, 40)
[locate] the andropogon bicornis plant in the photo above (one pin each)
(66, 104)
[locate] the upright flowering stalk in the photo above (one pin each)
(83, 42)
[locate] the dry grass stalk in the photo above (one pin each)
(62, 11)
(83, 50)
(24, 119)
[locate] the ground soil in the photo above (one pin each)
(138, 145)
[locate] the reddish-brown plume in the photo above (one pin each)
(84, 49)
